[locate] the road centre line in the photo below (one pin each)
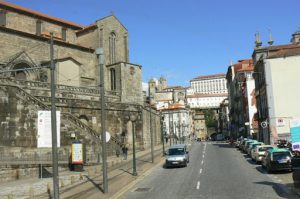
(200, 171)
(202, 162)
(198, 184)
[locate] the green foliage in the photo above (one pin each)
(210, 120)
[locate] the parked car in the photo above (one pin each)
(237, 143)
(277, 159)
(242, 143)
(177, 155)
(247, 144)
(296, 170)
(259, 152)
(252, 146)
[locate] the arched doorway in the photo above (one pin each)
(21, 73)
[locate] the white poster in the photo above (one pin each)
(44, 129)
(77, 153)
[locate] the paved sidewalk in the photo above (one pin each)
(39, 188)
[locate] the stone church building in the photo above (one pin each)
(25, 82)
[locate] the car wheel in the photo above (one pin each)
(263, 166)
(269, 170)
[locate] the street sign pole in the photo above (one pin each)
(53, 125)
(99, 52)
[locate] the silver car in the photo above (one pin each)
(259, 152)
(177, 155)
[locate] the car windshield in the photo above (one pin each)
(281, 155)
(254, 145)
(264, 148)
(176, 151)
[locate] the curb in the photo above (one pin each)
(120, 193)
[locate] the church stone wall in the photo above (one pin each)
(39, 51)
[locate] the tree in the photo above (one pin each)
(210, 119)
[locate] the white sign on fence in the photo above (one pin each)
(44, 129)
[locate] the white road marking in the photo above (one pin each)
(200, 171)
(202, 162)
(198, 184)
(203, 156)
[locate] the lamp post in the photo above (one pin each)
(178, 126)
(162, 132)
(175, 131)
(53, 125)
(100, 54)
(183, 134)
(133, 117)
(151, 137)
(170, 138)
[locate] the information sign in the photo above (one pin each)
(77, 153)
(44, 129)
(295, 134)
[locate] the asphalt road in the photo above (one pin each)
(215, 171)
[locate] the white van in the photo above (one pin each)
(177, 155)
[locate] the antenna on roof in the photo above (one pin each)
(112, 13)
(258, 42)
(270, 42)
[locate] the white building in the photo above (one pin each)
(177, 122)
(207, 91)
(277, 89)
(210, 84)
(205, 101)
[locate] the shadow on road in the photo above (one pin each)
(126, 171)
(223, 145)
(97, 185)
(260, 169)
(251, 161)
(278, 188)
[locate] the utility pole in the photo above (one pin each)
(53, 124)
(99, 52)
(162, 131)
(173, 128)
(151, 137)
(169, 128)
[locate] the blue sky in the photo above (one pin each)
(183, 39)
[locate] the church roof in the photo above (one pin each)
(26, 11)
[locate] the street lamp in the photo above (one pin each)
(133, 118)
(178, 126)
(162, 132)
(175, 131)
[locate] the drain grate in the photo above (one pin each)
(142, 189)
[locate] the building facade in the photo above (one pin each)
(25, 81)
(210, 84)
(242, 101)
(276, 82)
(207, 92)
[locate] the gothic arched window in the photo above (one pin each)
(112, 79)
(20, 73)
(112, 48)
